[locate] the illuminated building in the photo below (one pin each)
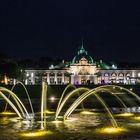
(82, 70)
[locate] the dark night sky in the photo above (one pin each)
(33, 28)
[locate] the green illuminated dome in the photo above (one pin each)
(82, 53)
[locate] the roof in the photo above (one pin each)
(82, 53)
(62, 65)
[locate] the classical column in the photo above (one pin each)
(32, 78)
(63, 78)
(26, 81)
(55, 78)
(79, 79)
(72, 79)
(48, 78)
(14, 81)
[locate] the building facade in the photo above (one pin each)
(82, 70)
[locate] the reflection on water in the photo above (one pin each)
(77, 127)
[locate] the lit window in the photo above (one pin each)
(114, 74)
(121, 74)
(128, 74)
(59, 80)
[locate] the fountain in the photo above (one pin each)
(43, 125)
(24, 113)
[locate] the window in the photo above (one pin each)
(83, 61)
(128, 74)
(59, 80)
(52, 74)
(51, 80)
(114, 75)
(121, 75)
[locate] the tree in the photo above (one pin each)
(10, 68)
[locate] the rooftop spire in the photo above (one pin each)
(82, 49)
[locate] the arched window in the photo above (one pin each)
(114, 75)
(51, 74)
(83, 61)
(121, 75)
(128, 74)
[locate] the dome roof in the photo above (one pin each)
(82, 53)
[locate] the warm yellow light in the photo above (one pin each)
(7, 113)
(125, 115)
(136, 118)
(36, 134)
(71, 120)
(131, 89)
(87, 113)
(49, 112)
(52, 99)
(4, 120)
(5, 80)
(111, 130)
(57, 122)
